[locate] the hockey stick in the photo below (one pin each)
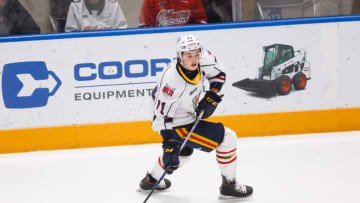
(181, 147)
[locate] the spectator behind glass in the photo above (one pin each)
(356, 7)
(14, 19)
(58, 13)
(218, 10)
(171, 12)
(94, 15)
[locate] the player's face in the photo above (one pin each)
(191, 59)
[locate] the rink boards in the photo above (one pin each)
(93, 89)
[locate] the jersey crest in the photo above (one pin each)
(171, 17)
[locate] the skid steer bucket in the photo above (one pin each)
(260, 86)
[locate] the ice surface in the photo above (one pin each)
(309, 168)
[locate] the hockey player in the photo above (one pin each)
(94, 15)
(176, 106)
(155, 13)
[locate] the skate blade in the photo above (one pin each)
(148, 191)
(223, 197)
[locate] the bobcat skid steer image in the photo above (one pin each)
(283, 68)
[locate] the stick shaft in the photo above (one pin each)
(191, 130)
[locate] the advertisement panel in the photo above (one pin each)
(109, 79)
(77, 81)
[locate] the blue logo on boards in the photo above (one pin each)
(28, 84)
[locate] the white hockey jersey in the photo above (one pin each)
(176, 96)
(80, 18)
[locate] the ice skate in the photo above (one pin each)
(233, 190)
(148, 182)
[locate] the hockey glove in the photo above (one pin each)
(170, 155)
(208, 104)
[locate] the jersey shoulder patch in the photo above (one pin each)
(167, 90)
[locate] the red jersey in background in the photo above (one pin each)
(171, 12)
